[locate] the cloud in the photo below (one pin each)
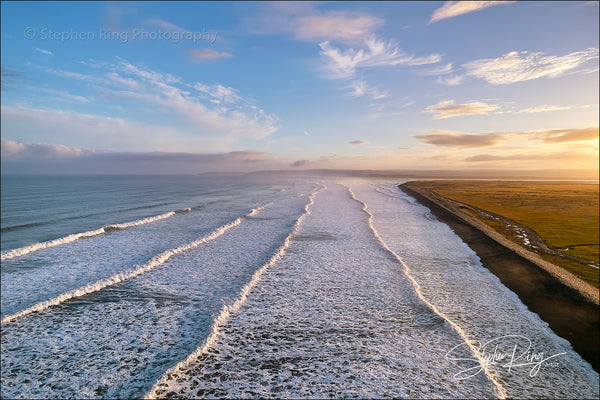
(450, 81)
(523, 66)
(439, 70)
(219, 93)
(453, 8)
(566, 135)
(360, 88)
(461, 140)
(47, 52)
(544, 108)
(359, 142)
(562, 155)
(165, 25)
(44, 158)
(469, 140)
(14, 150)
(304, 22)
(207, 54)
(341, 26)
(215, 116)
(344, 63)
(447, 109)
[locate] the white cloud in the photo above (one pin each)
(447, 109)
(454, 8)
(450, 81)
(523, 66)
(217, 115)
(47, 52)
(219, 93)
(344, 63)
(360, 88)
(87, 130)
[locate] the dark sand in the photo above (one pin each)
(569, 314)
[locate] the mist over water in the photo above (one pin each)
(247, 287)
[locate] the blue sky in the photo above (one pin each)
(245, 86)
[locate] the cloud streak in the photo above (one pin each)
(207, 54)
(358, 142)
(454, 8)
(377, 53)
(460, 140)
(448, 109)
(463, 140)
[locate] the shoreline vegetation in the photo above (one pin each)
(567, 303)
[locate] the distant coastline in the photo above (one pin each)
(568, 304)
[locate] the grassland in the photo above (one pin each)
(565, 215)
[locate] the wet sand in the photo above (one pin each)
(570, 310)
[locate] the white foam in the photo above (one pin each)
(227, 310)
(500, 390)
(120, 277)
(76, 236)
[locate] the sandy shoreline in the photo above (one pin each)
(567, 304)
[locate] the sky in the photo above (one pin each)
(185, 87)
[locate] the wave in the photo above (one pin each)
(227, 310)
(417, 288)
(76, 236)
(120, 277)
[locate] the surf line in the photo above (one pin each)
(122, 276)
(501, 392)
(71, 238)
(162, 384)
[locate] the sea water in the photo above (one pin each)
(221, 286)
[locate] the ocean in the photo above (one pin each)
(257, 286)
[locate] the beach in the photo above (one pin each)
(567, 304)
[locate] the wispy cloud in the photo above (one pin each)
(377, 53)
(523, 66)
(355, 142)
(448, 109)
(207, 54)
(460, 140)
(454, 8)
(219, 93)
(545, 108)
(165, 25)
(360, 88)
(46, 52)
(214, 116)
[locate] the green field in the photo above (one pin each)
(564, 214)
